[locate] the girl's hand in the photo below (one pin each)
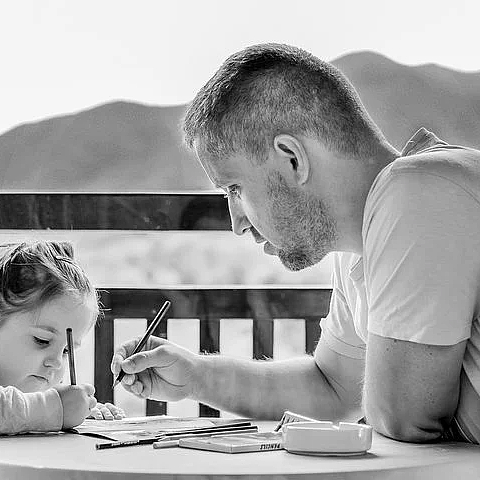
(77, 401)
(106, 411)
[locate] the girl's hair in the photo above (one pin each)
(32, 273)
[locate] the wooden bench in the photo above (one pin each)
(166, 211)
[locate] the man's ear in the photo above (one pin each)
(291, 150)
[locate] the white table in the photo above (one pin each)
(70, 456)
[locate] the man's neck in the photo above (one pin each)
(350, 217)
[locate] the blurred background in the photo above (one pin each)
(93, 93)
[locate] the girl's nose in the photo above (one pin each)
(54, 361)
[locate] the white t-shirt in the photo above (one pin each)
(419, 276)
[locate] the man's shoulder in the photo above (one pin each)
(448, 161)
(456, 165)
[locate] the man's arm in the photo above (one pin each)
(411, 389)
(421, 274)
(328, 386)
(329, 390)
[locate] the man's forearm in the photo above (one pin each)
(265, 389)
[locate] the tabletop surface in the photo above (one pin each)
(60, 456)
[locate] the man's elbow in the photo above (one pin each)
(403, 429)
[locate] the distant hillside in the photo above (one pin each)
(118, 146)
(401, 98)
(124, 146)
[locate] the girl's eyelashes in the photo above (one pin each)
(41, 341)
(45, 343)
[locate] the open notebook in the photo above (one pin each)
(135, 428)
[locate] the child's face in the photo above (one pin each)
(33, 345)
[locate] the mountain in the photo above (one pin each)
(120, 146)
(123, 146)
(403, 98)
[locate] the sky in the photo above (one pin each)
(60, 57)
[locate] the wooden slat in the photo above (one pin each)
(108, 211)
(223, 302)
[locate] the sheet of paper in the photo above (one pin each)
(141, 427)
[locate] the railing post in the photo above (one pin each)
(210, 343)
(154, 407)
(104, 352)
(312, 334)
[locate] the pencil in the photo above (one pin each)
(71, 358)
(155, 322)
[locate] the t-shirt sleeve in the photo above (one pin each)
(27, 412)
(421, 258)
(338, 330)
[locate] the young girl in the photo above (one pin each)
(42, 292)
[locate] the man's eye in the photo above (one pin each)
(233, 191)
(41, 341)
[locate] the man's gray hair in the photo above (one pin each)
(270, 89)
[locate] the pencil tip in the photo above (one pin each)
(115, 383)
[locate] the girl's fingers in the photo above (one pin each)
(117, 412)
(95, 413)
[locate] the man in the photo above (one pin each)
(308, 172)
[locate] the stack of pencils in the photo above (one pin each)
(171, 438)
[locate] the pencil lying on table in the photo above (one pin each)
(155, 322)
(173, 440)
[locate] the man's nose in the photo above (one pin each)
(240, 222)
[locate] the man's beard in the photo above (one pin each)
(305, 222)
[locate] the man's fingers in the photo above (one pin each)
(143, 360)
(128, 379)
(125, 351)
(122, 352)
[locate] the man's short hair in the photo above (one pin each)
(270, 89)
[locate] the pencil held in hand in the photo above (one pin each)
(155, 322)
(71, 358)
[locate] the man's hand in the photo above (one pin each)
(163, 371)
(77, 401)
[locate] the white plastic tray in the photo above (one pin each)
(327, 438)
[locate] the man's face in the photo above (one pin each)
(293, 225)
